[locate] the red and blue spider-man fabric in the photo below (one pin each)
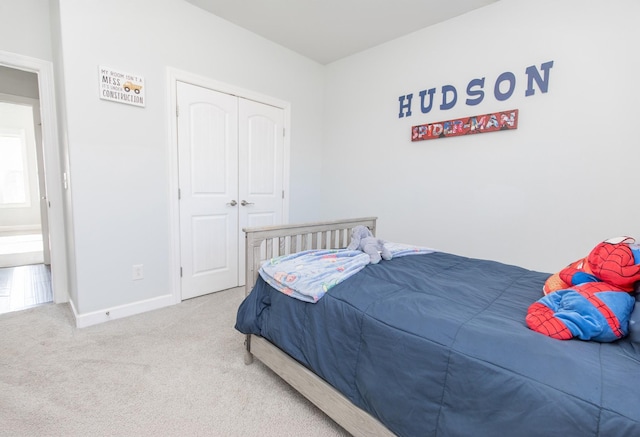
(590, 299)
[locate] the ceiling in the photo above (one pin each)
(328, 30)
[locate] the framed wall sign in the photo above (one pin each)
(476, 124)
(121, 87)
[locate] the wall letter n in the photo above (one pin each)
(532, 73)
(405, 106)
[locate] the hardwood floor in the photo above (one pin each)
(24, 286)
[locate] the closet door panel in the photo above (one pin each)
(208, 179)
(261, 169)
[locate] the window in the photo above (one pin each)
(14, 182)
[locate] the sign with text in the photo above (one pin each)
(476, 124)
(121, 87)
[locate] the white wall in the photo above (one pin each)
(24, 28)
(540, 196)
(19, 83)
(119, 154)
(529, 197)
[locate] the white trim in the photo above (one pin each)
(173, 76)
(96, 317)
(51, 149)
(20, 229)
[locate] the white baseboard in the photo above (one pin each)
(20, 229)
(21, 259)
(119, 312)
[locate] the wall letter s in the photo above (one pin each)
(478, 94)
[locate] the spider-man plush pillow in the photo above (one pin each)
(590, 299)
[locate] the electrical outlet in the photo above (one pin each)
(138, 272)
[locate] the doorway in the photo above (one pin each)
(25, 278)
(253, 174)
(14, 68)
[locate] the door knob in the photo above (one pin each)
(232, 203)
(245, 203)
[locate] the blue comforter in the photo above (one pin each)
(436, 345)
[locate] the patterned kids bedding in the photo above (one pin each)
(309, 274)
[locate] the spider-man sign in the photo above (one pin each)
(476, 124)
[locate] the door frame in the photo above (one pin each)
(52, 165)
(173, 76)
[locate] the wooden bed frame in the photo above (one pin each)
(267, 242)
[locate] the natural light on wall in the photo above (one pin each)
(14, 188)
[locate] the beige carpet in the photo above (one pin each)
(177, 371)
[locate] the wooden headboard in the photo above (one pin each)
(263, 243)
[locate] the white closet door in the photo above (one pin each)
(261, 169)
(208, 179)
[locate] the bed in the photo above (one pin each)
(433, 345)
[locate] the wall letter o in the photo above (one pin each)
(506, 76)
